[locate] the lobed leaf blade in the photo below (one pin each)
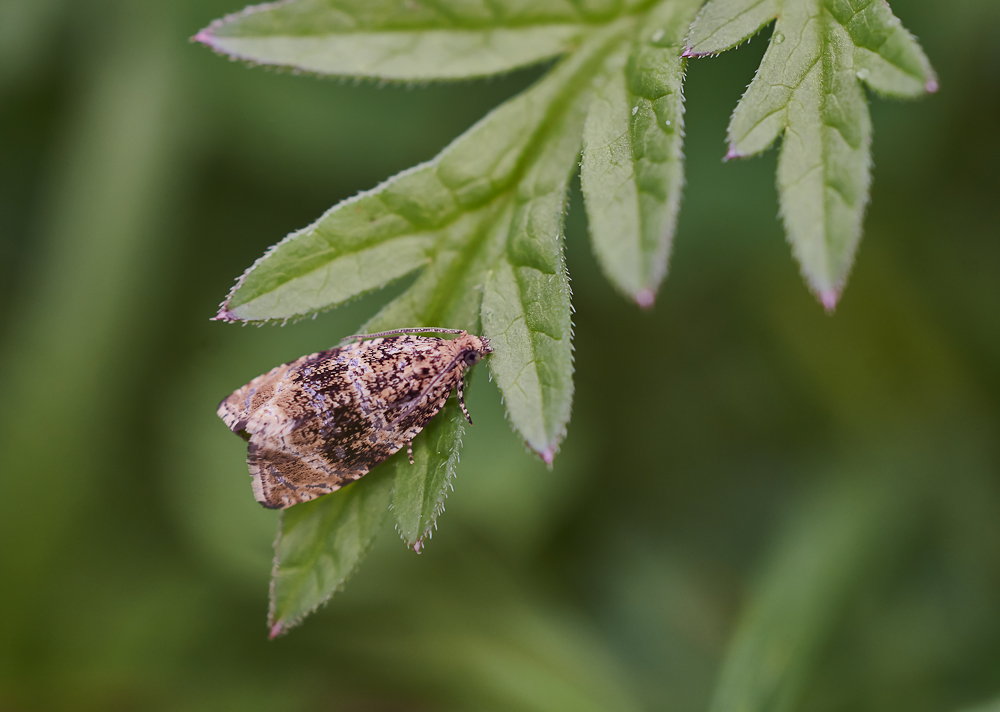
(887, 57)
(632, 169)
(809, 90)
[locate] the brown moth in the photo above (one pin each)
(324, 420)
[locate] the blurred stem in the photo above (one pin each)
(81, 300)
(832, 541)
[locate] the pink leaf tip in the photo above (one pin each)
(205, 37)
(732, 153)
(418, 545)
(645, 298)
(276, 630)
(225, 315)
(829, 298)
(931, 86)
(547, 455)
(688, 52)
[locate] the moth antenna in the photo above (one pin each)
(415, 330)
(430, 386)
(461, 400)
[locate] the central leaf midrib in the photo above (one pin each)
(444, 300)
(471, 25)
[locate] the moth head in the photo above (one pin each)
(471, 349)
(471, 358)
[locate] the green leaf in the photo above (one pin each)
(526, 307)
(321, 543)
(366, 242)
(402, 41)
(632, 171)
(809, 88)
(421, 488)
(830, 546)
(723, 25)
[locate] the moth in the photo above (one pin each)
(325, 420)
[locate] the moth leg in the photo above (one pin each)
(461, 400)
(409, 450)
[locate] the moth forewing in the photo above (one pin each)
(326, 419)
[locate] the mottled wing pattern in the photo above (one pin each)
(323, 421)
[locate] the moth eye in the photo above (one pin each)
(471, 357)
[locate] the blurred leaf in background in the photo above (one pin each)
(139, 175)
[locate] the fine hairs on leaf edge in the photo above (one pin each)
(226, 314)
(451, 464)
(689, 52)
(357, 80)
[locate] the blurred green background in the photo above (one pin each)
(758, 506)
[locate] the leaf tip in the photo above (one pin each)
(418, 545)
(645, 298)
(688, 53)
(829, 298)
(276, 630)
(733, 153)
(225, 315)
(204, 37)
(931, 86)
(548, 455)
